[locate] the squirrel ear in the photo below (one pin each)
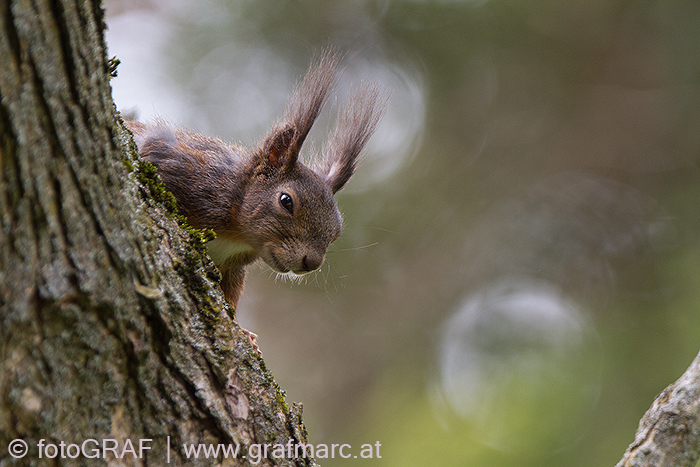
(352, 131)
(280, 148)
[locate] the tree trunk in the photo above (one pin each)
(112, 323)
(669, 432)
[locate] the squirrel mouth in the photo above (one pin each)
(275, 264)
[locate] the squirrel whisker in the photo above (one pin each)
(355, 248)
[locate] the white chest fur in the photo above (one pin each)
(221, 249)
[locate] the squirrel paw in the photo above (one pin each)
(253, 339)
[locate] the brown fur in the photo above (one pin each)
(239, 192)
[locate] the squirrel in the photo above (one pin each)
(263, 202)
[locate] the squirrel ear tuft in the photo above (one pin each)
(310, 95)
(352, 131)
(280, 148)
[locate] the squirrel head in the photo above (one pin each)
(288, 212)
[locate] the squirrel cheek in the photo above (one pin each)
(275, 258)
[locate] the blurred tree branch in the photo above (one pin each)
(112, 325)
(669, 432)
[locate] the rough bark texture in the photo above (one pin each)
(112, 325)
(669, 433)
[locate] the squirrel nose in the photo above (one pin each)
(311, 262)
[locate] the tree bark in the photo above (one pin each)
(112, 324)
(669, 433)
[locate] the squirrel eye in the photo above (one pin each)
(287, 203)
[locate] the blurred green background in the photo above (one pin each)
(518, 274)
